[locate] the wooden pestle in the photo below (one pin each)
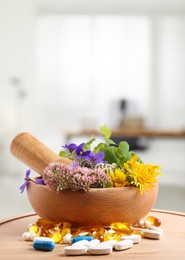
(34, 153)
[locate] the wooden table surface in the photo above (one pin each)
(171, 246)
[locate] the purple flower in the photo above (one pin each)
(40, 181)
(27, 174)
(96, 158)
(71, 147)
(80, 153)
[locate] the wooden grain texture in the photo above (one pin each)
(171, 246)
(32, 152)
(98, 206)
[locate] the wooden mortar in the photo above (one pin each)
(96, 206)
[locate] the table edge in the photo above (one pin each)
(30, 214)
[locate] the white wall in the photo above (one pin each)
(18, 20)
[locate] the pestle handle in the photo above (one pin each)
(34, 153)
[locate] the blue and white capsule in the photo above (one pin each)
(43, 243)
(79, 238)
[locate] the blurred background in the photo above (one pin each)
(72, 65)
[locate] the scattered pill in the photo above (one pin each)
(124, 244)
(141, 223)
(32, 235)
(81, 243)
(26, 236)
(152, 234)
(153, 221)
(156, 229)
(109, 242)
(67, 238)
(78, 238)
(72, 250)
(135, 238)
(33, 228)
(93, 242)
(43, 243)
(147, 224)
(100, 250)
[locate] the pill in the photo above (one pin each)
(122, 227)
(93, 242)
(32, 235)
(124, 244)
(141, 223)
(81, 243)
(135, 238)
(43, 243)
(152, 234)
(67, 238)
(147, 224)
(78, 238)
(26, 236)
(72, 250)
(109, 242)
(153, 221)
(156, 229)
(100, 250)
(33, 227)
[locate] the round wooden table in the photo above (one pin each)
(171, 246)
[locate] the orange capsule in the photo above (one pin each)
(122, 227)
(45, 223)
(153, 221)
(100, 234)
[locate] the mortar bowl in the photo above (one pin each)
(98, 206)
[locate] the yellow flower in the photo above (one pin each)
(142, 175)
(118, 178)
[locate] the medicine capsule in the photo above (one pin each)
(43, 244)
(44, 223)
(122, 227)
(153, 221)
(100, 234)
(55, 235)
(33, 228)
(78, 238)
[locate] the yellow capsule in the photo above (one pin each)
(54, 234)
(122, 227)
(33, 228)
(153, 221)
(113, 236)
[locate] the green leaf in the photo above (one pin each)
(123, 149)
(87, 146)
(105, 131)
(110, 155)
(63, 153)
(100, 147)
